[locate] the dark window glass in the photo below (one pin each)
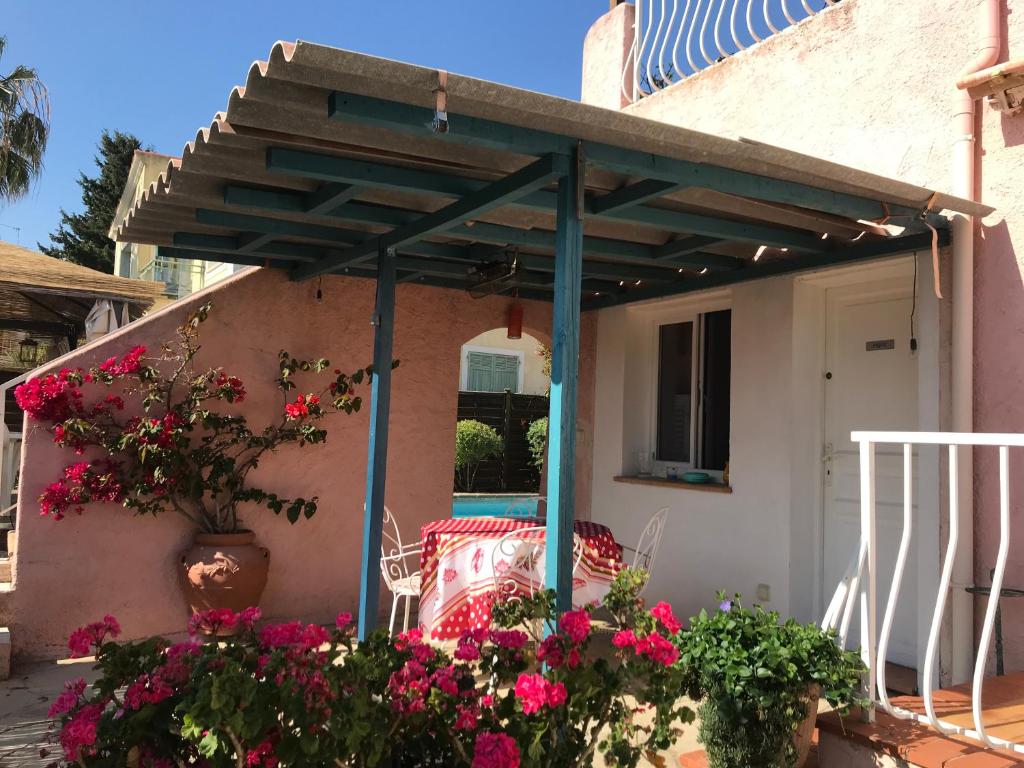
(717, 347)
(675, 389)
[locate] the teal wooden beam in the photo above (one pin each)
(683, 246)
(172, 252)
(724, 229)
(377, 448)
(682, 173)
(633, 194)
(478, 231)
(495, 195)
(310, 165)
(474, 131)
(329, 235)
(328, 197)
(461, 129)
(565, 347)
(875, 249)
(253, 241)
(228, 246)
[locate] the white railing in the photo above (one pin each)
(674, 39)
(858, 587)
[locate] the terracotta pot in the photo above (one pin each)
(224, 570)
(805, 733)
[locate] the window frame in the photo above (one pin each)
(692, 312)
(520, 368)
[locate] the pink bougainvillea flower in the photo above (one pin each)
(657, 649)
(576, 625)
(663, 613)
(344, 620)
(495, 750)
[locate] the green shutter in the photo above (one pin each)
(488, 372)
(506, 373)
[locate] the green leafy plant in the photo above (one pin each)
(474, 442)
(304, 696)
(753, 675)
(537, 439)
(165, 433)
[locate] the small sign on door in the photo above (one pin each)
(880, 344)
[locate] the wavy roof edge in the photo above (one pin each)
(339, 69)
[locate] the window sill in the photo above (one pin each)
(666, 483)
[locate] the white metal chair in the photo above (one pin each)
(647, 547)
(517, 556)
(521, 508)
(400, 578)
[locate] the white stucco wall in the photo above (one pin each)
(769, 529)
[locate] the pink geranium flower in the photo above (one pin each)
(576, 624)
(495, 750)
(663, 613)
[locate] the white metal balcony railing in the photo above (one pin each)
(180, 277)
(858, 586)
(674, 39)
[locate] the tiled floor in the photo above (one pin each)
(25, 740)
(921, 746)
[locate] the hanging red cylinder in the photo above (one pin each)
(515, 321)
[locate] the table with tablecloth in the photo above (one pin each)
(457, 570)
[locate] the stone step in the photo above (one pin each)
(6, 603)
(5, 569)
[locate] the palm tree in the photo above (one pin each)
(24, 129)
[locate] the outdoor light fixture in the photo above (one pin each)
(515, 321)
(28, 351)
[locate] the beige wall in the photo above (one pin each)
(70, 572)
(532, 365)
(870, 84)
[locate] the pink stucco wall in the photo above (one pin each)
(870, 84)
(70, 572)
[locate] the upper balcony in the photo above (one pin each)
(675, 39)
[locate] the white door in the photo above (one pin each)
(871, 383)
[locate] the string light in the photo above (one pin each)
(680, 270)
(825, 236)
(784, 250)
(704, 271)
(760, 252)
(637, 283)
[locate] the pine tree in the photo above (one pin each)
(82, 237)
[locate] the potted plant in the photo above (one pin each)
(300, 694)
(758, 681)
(159, 434)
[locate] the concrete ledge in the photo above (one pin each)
(5, 569)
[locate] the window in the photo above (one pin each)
(692, 413)
(491, 372)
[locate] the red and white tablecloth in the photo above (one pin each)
(458, 573)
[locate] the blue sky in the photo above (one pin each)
(160, 69)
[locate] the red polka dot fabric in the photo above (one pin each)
(458, 564)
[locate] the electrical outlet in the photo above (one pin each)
(764, 592)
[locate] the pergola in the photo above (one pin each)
(333, 162)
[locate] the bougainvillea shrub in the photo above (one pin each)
(297, 694)
(157, 432)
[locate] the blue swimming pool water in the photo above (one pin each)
(498, 505)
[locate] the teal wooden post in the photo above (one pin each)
(376, 466)
(565, 348)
